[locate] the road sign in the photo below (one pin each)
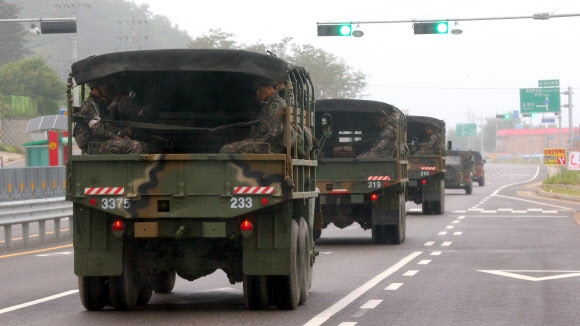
(549, 83)
(548, 120)
(538, 100)
(574, 161)
(516, 114)
(466, 129)
(554, 156)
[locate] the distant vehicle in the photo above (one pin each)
(140, 220)
(368, 189)
(478, 168)
(426, 164)
(459, 170)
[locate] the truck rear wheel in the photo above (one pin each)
(397, 231)
(124, 289)
(164, 282)
(380, 234)
(469, 189)
(304, 266)
(94, 292)
(287, 287)
(256, 292)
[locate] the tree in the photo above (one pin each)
(35, 79)
(12, 35)
(331, 76)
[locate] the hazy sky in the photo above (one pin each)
(457, 78)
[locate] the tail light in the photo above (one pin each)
(424, 182)
(374, 197)
(118, 228)
(246, 227)
(93, 201)
(264, 201)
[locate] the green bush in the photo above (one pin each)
(566, 177)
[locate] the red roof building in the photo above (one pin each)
(533, 141)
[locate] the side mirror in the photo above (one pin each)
(326, 124)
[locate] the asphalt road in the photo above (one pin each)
(501, 256)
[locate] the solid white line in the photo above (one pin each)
(338, 306)
(535, 202)
(393, 286)
(35, 302)
(371, 304)
(517, 183)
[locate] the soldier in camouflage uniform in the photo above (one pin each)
(385, 146)
(92, 132)
(431, 142)
(267, 136)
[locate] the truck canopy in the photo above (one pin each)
(182, 60)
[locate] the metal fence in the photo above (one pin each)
(26, 212)
(32, 183)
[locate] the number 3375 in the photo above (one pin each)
(115, 203)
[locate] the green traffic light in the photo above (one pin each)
(507, 116)
(442, 28)
(345, 30)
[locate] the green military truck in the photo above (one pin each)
(140, 220)
(426, 163)
(355, 184)
(459, 170)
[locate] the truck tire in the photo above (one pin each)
(380, 234)
(469, 189)
(396, 233)
(164, 282)
(145, 294)
(304, 266)
(481, 182)
(94, 292)
(256, 292)
(124, 289)
(287, 287)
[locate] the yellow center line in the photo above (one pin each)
(36, 251)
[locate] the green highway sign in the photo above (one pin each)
(549, 83)
(466, 129)
(538, 100)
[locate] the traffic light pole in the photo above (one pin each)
(571, 121)
(536, 16)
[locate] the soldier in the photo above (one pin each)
(94, 135)
(431, 142)
(385, 146)
(269, 131)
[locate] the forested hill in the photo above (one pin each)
(102, 26)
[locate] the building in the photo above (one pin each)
(524, 142)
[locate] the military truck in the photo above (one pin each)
(459, 170)
(478, 168)
(358, 181)
(140, 220)
(426, 163)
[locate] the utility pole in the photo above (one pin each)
(571, 120)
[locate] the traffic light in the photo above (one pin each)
(335, 30)
(528, 115)
(431, 28)
(502, 116)
(58, 26)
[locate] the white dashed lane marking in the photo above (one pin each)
(446, 244)
(429, 243)
(371, 304)
(436, 253)
(393, 286)
(424, 262)
(411, 273)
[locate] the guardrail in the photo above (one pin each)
(25, 212)
(38, 182)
